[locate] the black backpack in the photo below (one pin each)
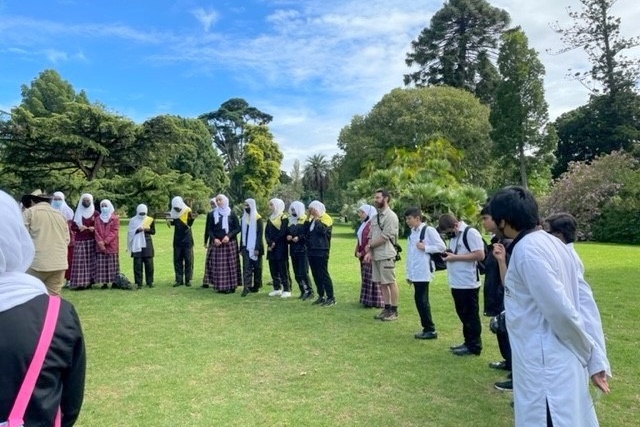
(480, 265)
(436, 258)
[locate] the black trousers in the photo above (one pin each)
(251, 272)
(467, 308)
(183, 263)
(279, 269)
(421, 297)
(138, 263)
(505, 347)
(320, 271)
(300, 265)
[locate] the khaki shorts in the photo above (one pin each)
(383, 271)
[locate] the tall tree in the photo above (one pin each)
(597, 32)
(316, 174)
(228, 128)
(519, 114)
(259, 171)
(455, 49)
(49, 94)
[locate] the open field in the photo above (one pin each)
(189, 357)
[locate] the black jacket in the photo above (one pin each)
(182, 236)
(215, 231)
(147, 251)
(61, 380)
(277, 236)
(259, 241)
(299, 231)
(493, 287)
(318, 239)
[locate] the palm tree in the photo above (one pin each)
(316, 174)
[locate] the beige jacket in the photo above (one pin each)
(385, 225)
(50, 234)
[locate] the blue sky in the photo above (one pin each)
(312, 64)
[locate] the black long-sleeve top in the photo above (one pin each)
(299, 231)
(318, 239)
(182, 235)
(259, 234)
(215, 231)
(61, 379)
(147, 251)
(279, 237)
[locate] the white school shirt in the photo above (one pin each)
(418, 265)
(462, 274)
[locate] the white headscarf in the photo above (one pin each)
(136, 241)
(177, 202)
(319, 207)
(278, 206)
(82, 212)
(249, 228)
(297, 208)
(106, 216)
(16, 255)
(222, 211)
(64, 208)
(371, 212)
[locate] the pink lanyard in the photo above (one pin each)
(28, 384)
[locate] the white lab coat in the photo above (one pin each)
(550, 344)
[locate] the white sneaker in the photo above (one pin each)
(286, 295)
(275, 293)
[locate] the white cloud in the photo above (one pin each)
(206, 17)
(55, 56)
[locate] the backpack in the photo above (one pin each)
(121, 282)
(480, 265)
(437, 263)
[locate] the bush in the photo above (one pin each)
(619, 222)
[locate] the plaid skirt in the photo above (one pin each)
(83, 267)
(370, 294)
(222, 267)
(107, 266)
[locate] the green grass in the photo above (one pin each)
(189, 357)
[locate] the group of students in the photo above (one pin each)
(300, 237)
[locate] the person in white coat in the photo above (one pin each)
(423, 241)
(554, 353)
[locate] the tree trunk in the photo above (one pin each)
(523, 166)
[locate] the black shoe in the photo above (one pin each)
(456, 347)
(150, 285)
(307, 295)
(254, 289)
(318, 301)
(204, 285)
(502, 365)
(175, 285)
(105, 286)
(426, 335)
(139, 286)
(504, 385)
(245, 292)
(464, 351)
(329, 302)
(188, 284)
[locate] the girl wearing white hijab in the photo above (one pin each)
(23, 304)
(83, 267)
(107, 245)
(318, 245)
(275, 234)
(140, 245)
(370, 294)
(222, 267)
(298, 249)
(251, 248)
(58, 203)
(182, 219)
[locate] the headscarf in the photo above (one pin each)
(106, 216)
(222, 211)
(137, 241)
(82, 212)
(371, 212)
(64, 208)
(177, 202)
(297, 208)
(276, 215)
(16, 255)
(249, 229)
(324, 218)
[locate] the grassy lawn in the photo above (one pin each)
(189, 357)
